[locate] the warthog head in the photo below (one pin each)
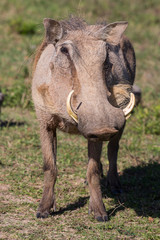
(80, 66)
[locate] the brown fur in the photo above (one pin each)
(48, 140)
(39, 51)
(44, 92)
(93, 176)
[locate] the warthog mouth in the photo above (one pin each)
(127, 110)
(103, 134)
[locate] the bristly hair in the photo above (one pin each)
(73, 23)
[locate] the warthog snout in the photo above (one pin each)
(98, 120)
(98, 123)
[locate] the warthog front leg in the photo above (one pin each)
(112, 177)
(48, 141)
(93, 177)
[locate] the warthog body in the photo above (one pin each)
(98, 63)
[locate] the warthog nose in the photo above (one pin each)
(103, 134)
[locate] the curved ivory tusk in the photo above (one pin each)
(70, 111)
(130, 106)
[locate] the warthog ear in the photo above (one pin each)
(53, 30)
(112, 33)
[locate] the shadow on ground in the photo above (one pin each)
(141, 192)
(10, 123)
(81, 202)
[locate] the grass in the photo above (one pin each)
(135, 214)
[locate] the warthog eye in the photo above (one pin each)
(64, 50)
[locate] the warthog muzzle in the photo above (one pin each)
(95, 129)
(74, 116)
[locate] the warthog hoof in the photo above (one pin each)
(102, 219)
(46, 204)
(42, 215)
(99, 211)
(114, 184)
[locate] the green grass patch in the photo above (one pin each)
(20, 26)
(149, 119)
(19, 95)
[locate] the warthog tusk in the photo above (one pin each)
(70, 110)
(130, 106)
(74, 116)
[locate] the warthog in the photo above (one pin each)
(82, 84)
